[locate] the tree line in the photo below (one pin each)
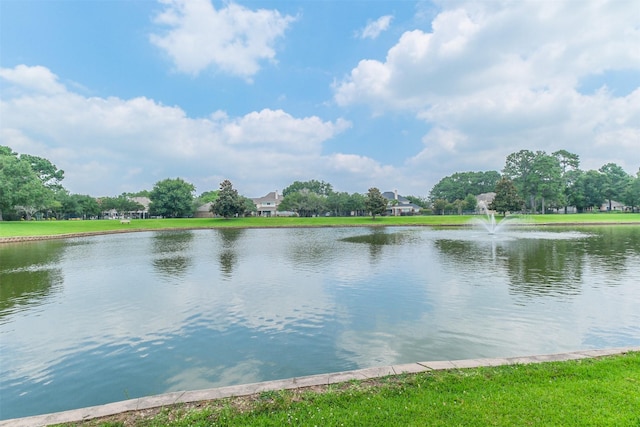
(530, 181)
(537, 182)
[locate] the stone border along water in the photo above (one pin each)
(92, 412)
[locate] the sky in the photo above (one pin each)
(121, 94)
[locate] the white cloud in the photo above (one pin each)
(233, 39)
(491, 78)
(38, 79)
(110, 145)
(276, 128)
(375, 28)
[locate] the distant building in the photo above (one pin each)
(144, 212)
(398, 205)
(204, 211)
(267, 205)
(615, 207)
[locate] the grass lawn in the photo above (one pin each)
(587, 392)
(52, 228)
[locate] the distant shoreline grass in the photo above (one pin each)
(16, 229)
(601, 391)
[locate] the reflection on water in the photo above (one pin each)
(171, 250)
(148, 313)
(23, 284)
(228, 256)
(377, 237)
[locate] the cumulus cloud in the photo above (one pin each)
(37, 79)
(375, 28)
(111, 145)
(491, 78)
(233, 39)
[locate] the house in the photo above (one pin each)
(615, 207)
(204, 211)
(398, 205)
(144, 212)
(267, 205)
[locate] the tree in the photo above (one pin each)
(549, 185)
(470, 202)
(631, 195)
(356, 205)
(208, 196)
(50, 176)
(375, 202)
(569, 164)
(439, 206)
(338, 203)
(20, 186)
(536, 176)
(460, 184)
(586, 190)
(229, 203)
(304, 202)
(507, 198)
(248, 207)
(172, 198)
(419, 201)
(519, 168)
(615, 182)
(318, 187)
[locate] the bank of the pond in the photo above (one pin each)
(21, 231)
(591, 387)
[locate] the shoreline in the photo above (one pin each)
(149, 405)
(36, 238)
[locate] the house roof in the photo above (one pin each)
(391, 195)
(270, 197)
(144, 201)
(205, 208)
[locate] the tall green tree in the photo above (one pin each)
(46, 171)
(470, 202)
(375, 202)
(314, 186)
(549, 185)
(569, 163)
(519, 167)
(229, 203)
(20, 187)
(172, 198)
(338, 203)
(615, 181)
(440, 206)
(356, 204)
(507, 198)
(461, 184)
(248, 207)
(537, 176)
(304, 202)
(631, 195)
(585, 191)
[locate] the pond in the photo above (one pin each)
(87, 321)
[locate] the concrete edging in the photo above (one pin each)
(83, 414)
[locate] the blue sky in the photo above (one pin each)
(388, 94)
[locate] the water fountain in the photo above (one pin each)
(489, 222)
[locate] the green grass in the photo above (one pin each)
(52, 228)
(587, 392)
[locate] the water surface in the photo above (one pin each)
(93, 320)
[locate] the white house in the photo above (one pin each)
(398, 205)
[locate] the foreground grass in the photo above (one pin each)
(53, 228)
(588, 392)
